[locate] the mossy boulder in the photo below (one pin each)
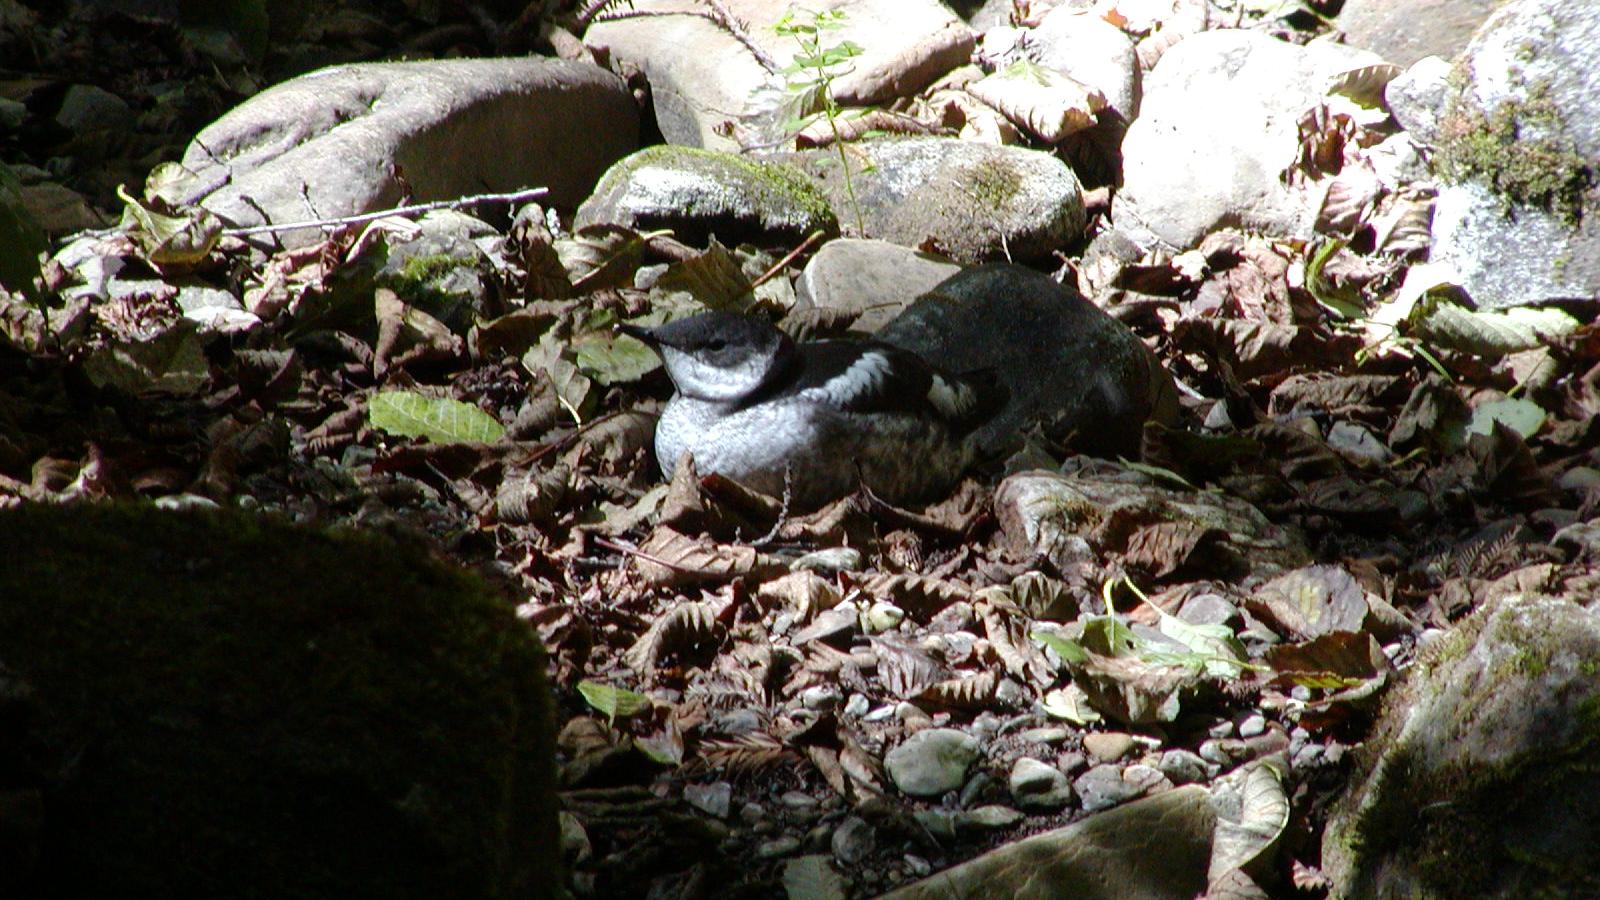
(1479, 780)
(968, 201)
(698, 193)
(218, 704)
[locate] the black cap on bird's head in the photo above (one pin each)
(717, 355)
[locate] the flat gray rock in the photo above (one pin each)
(352, 139)
(1528, 76)
(1154, 848)
(971, 202)
(931, 762)
(873, 279)
(1066, 363)
(697, 193)
(1491, 744)
(1217, 126)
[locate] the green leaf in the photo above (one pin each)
(170, 240)
(612, 702)
(440, 420)
(1344, 301)
(1487, 333)
(1070, 651)
(1106, 636)
(1522, 416)
(613, 359)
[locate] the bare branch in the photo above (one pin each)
(457, 203)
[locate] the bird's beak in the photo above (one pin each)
(638, 333)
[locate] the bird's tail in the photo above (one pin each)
(970, 399)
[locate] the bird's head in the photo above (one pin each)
(718, 356)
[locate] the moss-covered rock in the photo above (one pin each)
(216, 704)
(971, 202)
(1479, 780)
(697, 193)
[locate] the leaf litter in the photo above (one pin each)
(1363, 463)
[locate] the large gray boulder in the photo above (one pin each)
(1068, 366)
(1217, 127)
(1520, 147)
(968, 201)
(1479, 779)
(352, 139)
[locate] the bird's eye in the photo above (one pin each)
(716, 344)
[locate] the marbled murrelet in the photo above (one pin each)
(752, 405)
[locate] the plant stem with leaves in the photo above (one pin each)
(809, 81)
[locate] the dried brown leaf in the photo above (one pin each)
(918, 595)
(1311, 602)
(969, 692)
(679, 630)
(672, 559)
(745, 754)
(804, 593)
(905, 670)
(532, 496)
(1165, 547)
(1048, 103)
(1335, 659)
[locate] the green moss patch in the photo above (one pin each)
(1517, 150)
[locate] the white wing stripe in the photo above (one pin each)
(863, 378)
(952, 400)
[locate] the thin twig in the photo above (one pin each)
(457, 203)
(777, 267)
(647, 557)
(783, 510)
(723, 17)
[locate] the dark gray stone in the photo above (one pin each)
(1065, 362)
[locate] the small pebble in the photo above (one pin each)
(857, 705)
(1182, 767)
(1047, 735)
(782, 846)
(853, 840)
(917, 866)
(1108, 746)
(712, 799)
(820, 697)
(1253, 725)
